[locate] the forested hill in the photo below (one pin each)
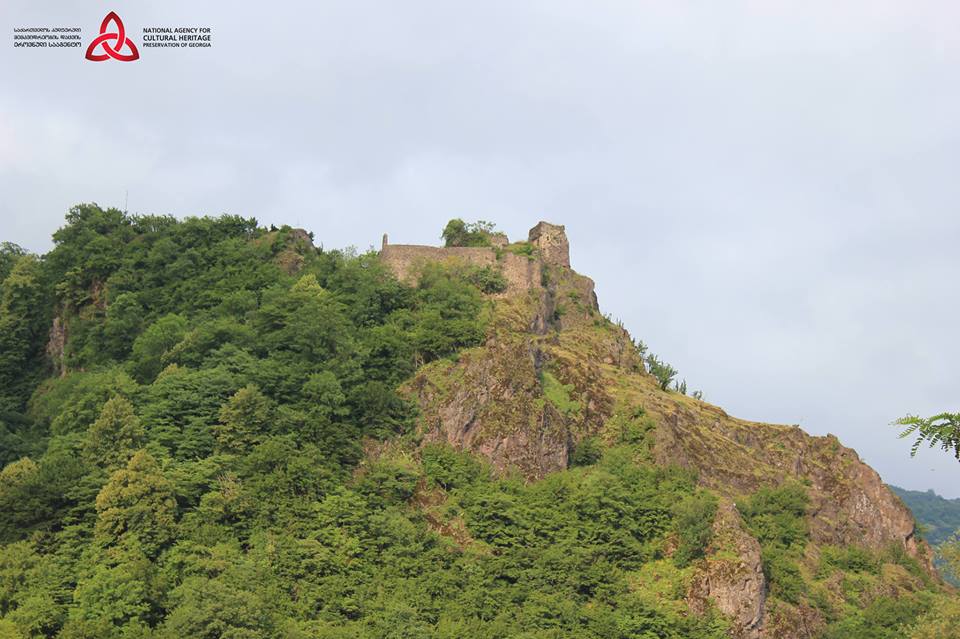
(940, 517)
(215, 430)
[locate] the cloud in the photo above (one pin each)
(764, 192)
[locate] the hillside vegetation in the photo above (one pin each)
(938, 516)
(212, 429)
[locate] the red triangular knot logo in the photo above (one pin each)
(112, 43)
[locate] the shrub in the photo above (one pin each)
(559, 395)
(776, 516)
(488, 279)
(450, 469)
(852, 559)
(694, 515)
(663, 372)
(587, 452)
(522, 248)
(460, 233)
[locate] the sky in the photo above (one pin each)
(765, 192)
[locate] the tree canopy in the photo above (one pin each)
(222, 452)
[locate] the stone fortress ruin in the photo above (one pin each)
(521, 263)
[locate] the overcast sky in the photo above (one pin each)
(765, 192)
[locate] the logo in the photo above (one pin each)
(115, 50)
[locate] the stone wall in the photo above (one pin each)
(551, 241)
(406, 260)
(522, 273)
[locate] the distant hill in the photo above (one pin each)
(939, 517)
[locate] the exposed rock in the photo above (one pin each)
(56, 346)
(849, 503)
(297, 244)
(731, 577)
(786, 621)
(491, 402)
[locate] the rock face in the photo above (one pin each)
(56, 346)
(296, 243)
(491, 402)
(849, 503)
(732, 576)
(546, 337)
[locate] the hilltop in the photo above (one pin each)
(555, 376)
(214, 429)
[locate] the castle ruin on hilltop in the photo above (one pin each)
(521, 263)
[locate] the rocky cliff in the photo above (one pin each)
(554, 371)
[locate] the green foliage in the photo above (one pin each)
(938, 518)
(25, 312)
(488, 279)
(883, 618)
(116, 434)
(694, 526)
(559, 395)
(212, 462)
(24, 498)
(850, 559)
(948, 557)
(941, 430)
(450, 469)
(777, 518)
(460, 233)
(781, 567)
(588, 451)
(940, 621)
(136, 507)
(630, 427)
(522, 248)
(244, 419)
(149, 348)
(663, 372)
(10, 253)
(446, 317)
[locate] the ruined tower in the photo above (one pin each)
(551, 240)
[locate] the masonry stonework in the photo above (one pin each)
(551, 241)
(522, 272)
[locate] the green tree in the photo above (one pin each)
(136, 507)
(25, 499)
(941, 430)
(24, 325)
(244, 420)
(941, 622)
(663, 372)
(112, 598)
(213, 609)
(9, 254)
(460, 233)
(116, 434)
(149, 348)
(122, 324)
(694, 525)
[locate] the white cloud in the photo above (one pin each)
(764, 191)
